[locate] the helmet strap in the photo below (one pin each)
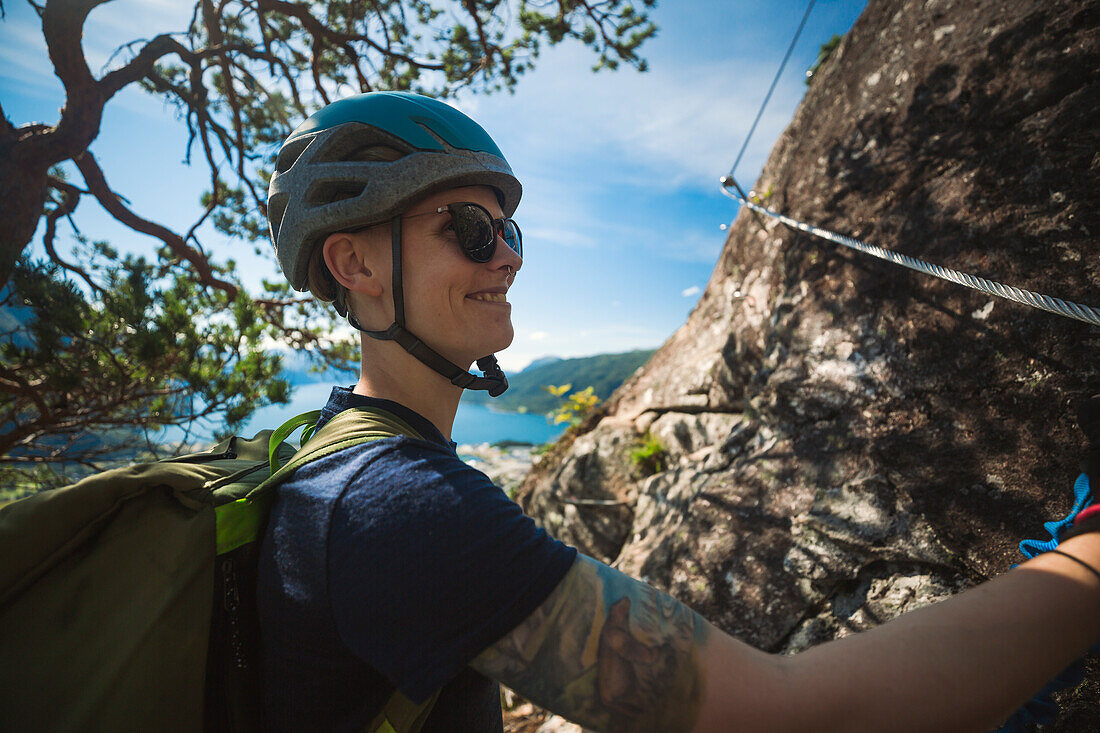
(494, 380)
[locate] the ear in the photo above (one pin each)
(348, 257)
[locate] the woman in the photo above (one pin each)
(394, 565)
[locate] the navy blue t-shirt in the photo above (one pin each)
(393, 564)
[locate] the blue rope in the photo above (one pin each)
(1042, 709)
(1082, 497)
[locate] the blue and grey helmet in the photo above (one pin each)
(326, 181)
(365, 160)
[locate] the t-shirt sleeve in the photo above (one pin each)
(430, 564)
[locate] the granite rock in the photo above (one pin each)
(845, 440)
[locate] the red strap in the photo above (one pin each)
(1091, 511)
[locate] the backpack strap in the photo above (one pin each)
(241, 521)
(285, 430)
(345, 430)
(401, 715)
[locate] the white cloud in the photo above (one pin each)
(692, 245)
(538, 335)
(693, 290)
(515, 361)
(701, 119)
(25, 62)
(586, 145)
(112, 25)
(558, 238)
(679, 126)
(23, 53)
(468, 105)
(570, 342)
(620, 333)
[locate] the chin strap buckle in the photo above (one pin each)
(493, 374)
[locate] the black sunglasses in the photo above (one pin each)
(477, 230)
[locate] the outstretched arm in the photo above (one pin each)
(964, 664)
(615, 654)
(608, 652)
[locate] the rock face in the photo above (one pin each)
(846, 440)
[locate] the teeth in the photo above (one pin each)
(491, 297)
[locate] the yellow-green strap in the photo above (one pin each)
(346, 429)
(238, 523)
(402, 715)
(283, 432)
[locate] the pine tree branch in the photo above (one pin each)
(141, 64)
(109, 200)
(65, 207)
(213, 24)
(319, 30)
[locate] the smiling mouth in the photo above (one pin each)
(489, 297)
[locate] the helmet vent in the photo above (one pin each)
(372, 153)
(276, 207)
(290, 153)
(329, 192)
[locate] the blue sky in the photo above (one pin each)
(621, 210)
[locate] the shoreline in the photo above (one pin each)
(505, 465)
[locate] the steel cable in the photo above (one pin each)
(775, 80)
(1050, 304)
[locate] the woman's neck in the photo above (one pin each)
(389, 372)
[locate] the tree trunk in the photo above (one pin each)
(22, 198)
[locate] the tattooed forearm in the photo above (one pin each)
(606, 651)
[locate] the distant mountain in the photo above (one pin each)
(603, 372)
(542, 362)
(298, 368)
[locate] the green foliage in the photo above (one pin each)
(232, 213)
(558, 391)
(574, 407)
(604, 373)
(291, 60)
(649, 457)
(93, 353)
(761, 199)
(823, 55)
(616, 42)
(88, 380)
(19, 484)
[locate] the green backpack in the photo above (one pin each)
(127, 600)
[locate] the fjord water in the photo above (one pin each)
(482, 424)
(473, 424)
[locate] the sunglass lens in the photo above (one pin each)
(474, 229)
(477, 231)
(512, 236)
